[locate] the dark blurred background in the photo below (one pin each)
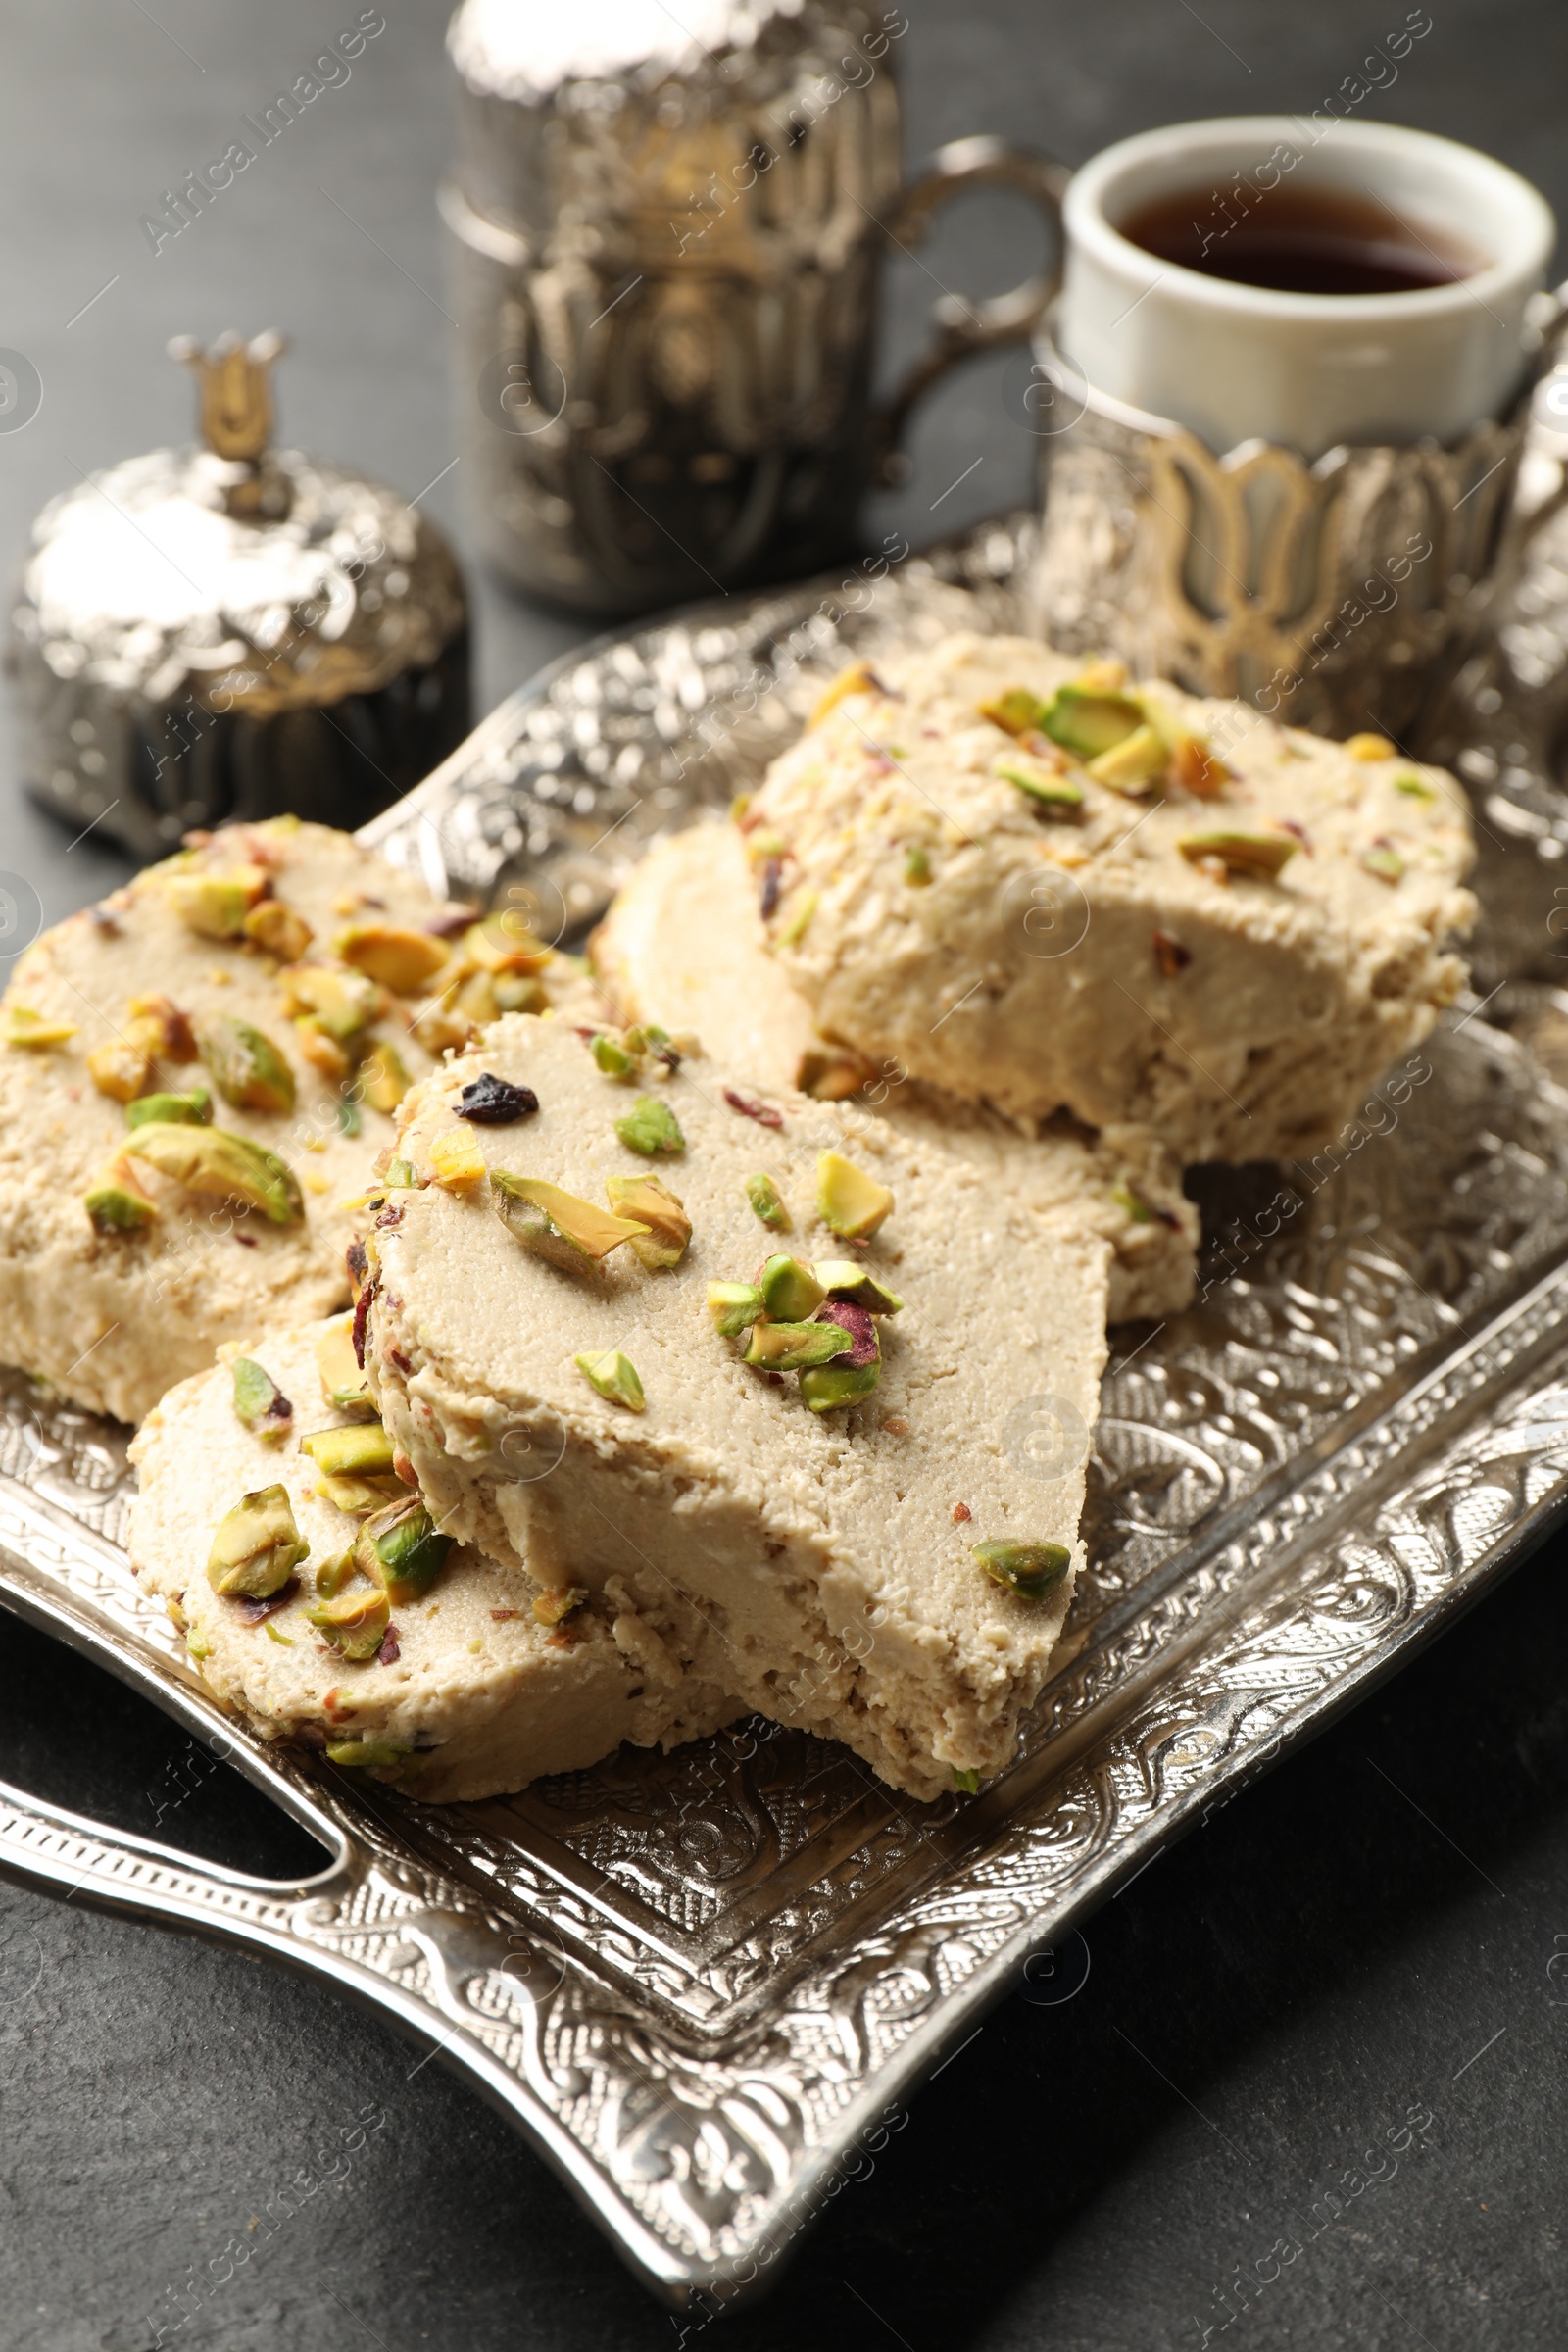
(1263, 2004)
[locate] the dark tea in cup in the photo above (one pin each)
(1299, 240)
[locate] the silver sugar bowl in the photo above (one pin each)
(233, 631)
(666, 238)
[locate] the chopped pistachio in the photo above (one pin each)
(259, 1403)
(350, 1119)
(160, 1028)
(1131, 765)
(1090, 722)
(649, 1202)
(615, 1376)
(33, 1031)
(1131, 1201)
(1196, 769)
(515, 991)
(556, 1224)
(246, 1067)
(457, 1162)
(1036, 778)
(355, 1623)
(1384, 860)
(341, 1003)
(795, 1347)
(1015, 713)
(1415, 787)
(114, 1202)
(193, 1109)
(650, 1127)
(843, 1278)
(791, 1291)
(382, 1077)
(403, 960)
(916, 864)
(734, 1307)
(825, 1386)
(556, 1603)
(256, 1546)
(1031, 1570)
(359, 1449)
(401, 1176)
(215, 904)
(367, 1755)
(284, 1641)
(197, 1645)
(120, 1069)
(355, 1497)
(343, 1383)
(1260, 856)
(322, 1050)
(504, 943)
(403, 1550)
(334, 1572)
(475, 998)
(1369, 747)
(794, 930)
(849, 1201)
(223, 1167)
(279, 929)
(966, 1782)
(611, 1057)
(763, 1194)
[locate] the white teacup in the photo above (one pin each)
(1234, 362)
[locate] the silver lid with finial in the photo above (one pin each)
(234, 630)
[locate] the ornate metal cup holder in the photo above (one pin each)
(698, 1981)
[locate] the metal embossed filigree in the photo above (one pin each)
(699, 1980)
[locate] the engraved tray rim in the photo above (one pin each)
(704, 2150)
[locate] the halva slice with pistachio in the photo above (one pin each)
(754, 1455)
(1227, 935)
(194, 1083)
(374, 1638)
(685, 943)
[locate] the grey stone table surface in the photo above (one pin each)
(1380, 1929)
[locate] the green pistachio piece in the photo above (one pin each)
(647, 1201)
(194, 1109)
(246, 1067)
(344, 1003)
(763, 1194)
(515, 991)
(116, 1203)
(215, 904)
(355, 1623)
(1134, 763)
(343, 1384)
(1088, 723)
(1257, 856)
(918, 863)
(259, 1403)
(359, 1449)
(30, 1030)
(1041, 782)
(797, 918)
(556, 1224)
(403, 1550)
(650, 1127)
(1131, 1201)
(791, 1291)
(734, 1307)
(556, 1603)
(612, 1057)
(284, 1641)
(1384, 861)
(223, 1167)
(848, 1199)
(401, 1176)
(403, 960)
(794, 1347)
(841, 1278)
(1031, 1570)
(197, 1645)
(256, 1546)
(367, 1755)
(828, 1386)
(1015, 713)
(355, 1497)
(334, 1572)
(1415, 787)
(967, 1782)
(384, 1080)
(615, 1376)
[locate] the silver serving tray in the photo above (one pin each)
(700, 1981)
